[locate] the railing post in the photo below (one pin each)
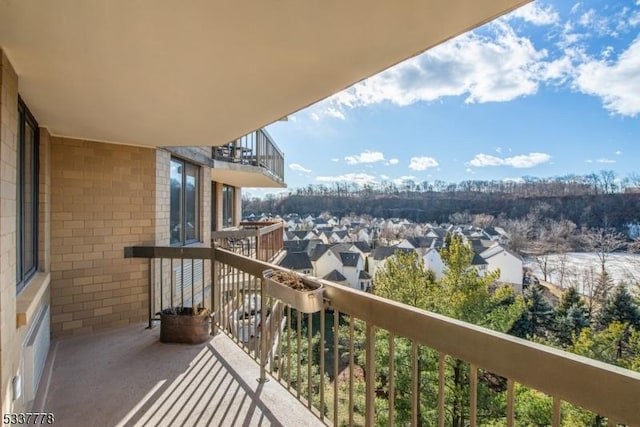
(215, 293)
(258, 246)
(263, 334)
(370, 376)
(150, 295)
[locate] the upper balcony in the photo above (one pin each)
(253, 160)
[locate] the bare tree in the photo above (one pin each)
(520, 232)
(460, 218)
(552, 239)
(483, 220)
(603, 241)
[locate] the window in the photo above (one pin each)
(184, 221)
(26, 197)
(214, 201)
(227, 205)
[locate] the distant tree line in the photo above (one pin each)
(594, 200)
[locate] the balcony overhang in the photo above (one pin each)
(161, 73)
(240, 175)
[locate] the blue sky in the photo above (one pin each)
(551, 89)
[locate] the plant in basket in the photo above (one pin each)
(184, 325)
(300, 292)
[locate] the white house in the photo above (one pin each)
(432, 261)
(510, 265)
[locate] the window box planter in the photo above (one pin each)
(182, 325)
(300, 292)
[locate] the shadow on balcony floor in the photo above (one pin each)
(127, 377)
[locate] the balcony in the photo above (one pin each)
(253, 160)
(292, 349)
(259, 240)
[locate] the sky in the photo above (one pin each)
(551, 89)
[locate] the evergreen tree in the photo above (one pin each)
(568, 327)
(619, 307)
(537, 318)
(570, 297)
(570, 317)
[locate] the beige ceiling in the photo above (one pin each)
(203, 72)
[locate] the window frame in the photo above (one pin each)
(228, 192)
(23, 272)
(183, 205)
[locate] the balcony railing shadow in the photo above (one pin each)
(126, 377)
(328, 360)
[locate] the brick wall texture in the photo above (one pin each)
(103, 198)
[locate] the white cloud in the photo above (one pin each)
(616, 82)
(499, 150)
(334, 112)
(536, 14)
(335, 160)
(357, 178)
(469, 170)
(404, 179)
(576, 6)
(618, 152)
(501, 66)
(385, 177)
(393, 161)
(588, 161)
(299, 168)
(422, 163)
(315, 117)
(365, 157)
(522, 161)
(604, 160)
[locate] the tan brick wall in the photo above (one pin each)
(44, 225)
(103, 199)
(12, 336)
(9, 340)
(163, 195)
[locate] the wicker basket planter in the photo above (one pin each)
(298, 291)
(181, 325)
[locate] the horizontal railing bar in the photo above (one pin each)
(270, 228)
(168, 252)
(235, 234)
(594, 385)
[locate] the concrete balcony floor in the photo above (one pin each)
(127, 377)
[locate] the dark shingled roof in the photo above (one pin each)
(421, 241)
(301, 245)
(349, 259)
(296, 261)
(341, 234)
(384, 252)
(318, 251)
(363, 246)
(478, 260)
(335, 276)
(300, 234)
(364, 275)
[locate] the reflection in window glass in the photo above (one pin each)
(227, 206)
(183, 221)
(175, 221)
(191, 203)
(26, 197)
